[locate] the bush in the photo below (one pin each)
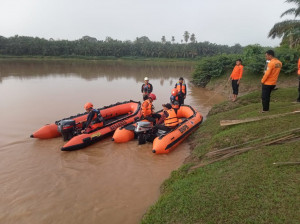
(214, 66)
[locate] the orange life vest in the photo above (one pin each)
(175, 103)
(147, 108)
(181, 88)
(172, 119)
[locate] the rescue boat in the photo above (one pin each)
(114, 116)
(163, 142)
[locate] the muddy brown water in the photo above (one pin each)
(103, 183)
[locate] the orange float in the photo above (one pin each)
(164, 142)
(115, 116)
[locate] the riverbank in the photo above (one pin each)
(98, 58)
(230, 176)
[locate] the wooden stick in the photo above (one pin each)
(286, 163)
(233, 122)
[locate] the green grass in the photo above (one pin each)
(246, 188)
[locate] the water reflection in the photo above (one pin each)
(91, 70)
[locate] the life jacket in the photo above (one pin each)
(175, 102)
(146, 108)
(146, 88)
(175, 105)
(181, 88)
(172, 119)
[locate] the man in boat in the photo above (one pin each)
(174, 99)
(170, 121)
(235, 77)
(147, 87)
(148, 108)
(181, 87)
(269, 79)
(94, 116)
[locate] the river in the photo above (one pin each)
(103, 183)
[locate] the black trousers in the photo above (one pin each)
(266, 95)
(299, 90)
(181, 99)
(235, 87)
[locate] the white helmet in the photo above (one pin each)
(146, 79)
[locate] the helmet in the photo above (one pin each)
(174, 92)
(152, 96)
(88, 105)
(146, 79)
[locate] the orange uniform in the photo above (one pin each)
(147, 108)
(237, 72)
(299, 66)
(271, 75)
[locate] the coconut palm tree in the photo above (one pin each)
(288, 29)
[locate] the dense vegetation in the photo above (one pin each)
(245, 188)
(253, 57)
(89, 46)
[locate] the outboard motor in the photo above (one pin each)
(143, 131)
(67, 129)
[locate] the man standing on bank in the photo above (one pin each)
(235, 77)
(147, 87)
(269, 79)
(298, 100)
(181, 87)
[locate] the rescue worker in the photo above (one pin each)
(93, 116)
(148, 108)
(269, 79)
(181, 87)
(171, 120)
(298, 100)
(235, 77)
(147, 87)
(174, 99)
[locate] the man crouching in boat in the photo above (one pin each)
(93, 116)
(171, 120)
(148, 108)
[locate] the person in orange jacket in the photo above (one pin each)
(148, 108)
(235, 77)
(170, 121)
(94, 115)
(298, 100)
(269, 79)
(182, 89)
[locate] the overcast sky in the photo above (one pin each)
(217, 21)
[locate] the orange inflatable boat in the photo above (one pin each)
(163, 142)
(114, 116)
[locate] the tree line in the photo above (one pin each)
(90, 46)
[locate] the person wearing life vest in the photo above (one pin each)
(147, 87)
(148, 108)
(298, 100)
(181, 87)
(171, 120)
(174, 99)
(93, 116)
(235, 77)
(269, 79)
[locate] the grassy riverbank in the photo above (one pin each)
(242, 187)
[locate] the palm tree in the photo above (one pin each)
(186, 36)
(288, 29)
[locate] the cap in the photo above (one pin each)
(167, 105)
(146, 79)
